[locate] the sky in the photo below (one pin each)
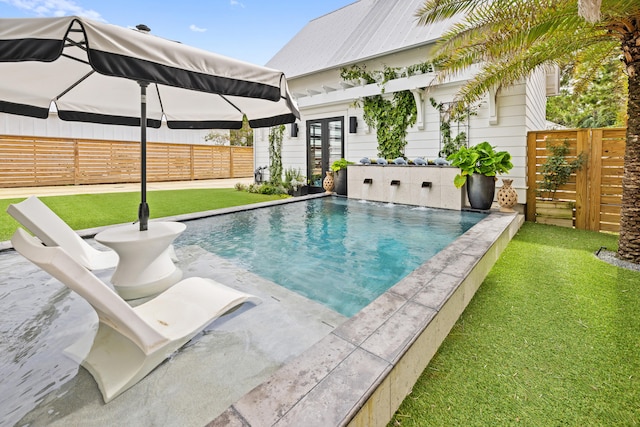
(249, 30)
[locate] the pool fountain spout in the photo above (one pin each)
(395, 182)
(366, 185)
(426, 184)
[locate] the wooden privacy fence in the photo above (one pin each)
(37, 161)
(594, 192)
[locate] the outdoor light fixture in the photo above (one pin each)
(353, 124)
(294, 130)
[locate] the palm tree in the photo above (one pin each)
(512, 38)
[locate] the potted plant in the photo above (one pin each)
(479, 166)
(295, 182)
(339, 168)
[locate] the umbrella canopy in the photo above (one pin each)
(101, 73)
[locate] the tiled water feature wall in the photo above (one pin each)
(429, 186)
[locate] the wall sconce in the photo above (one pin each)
(294, 130)
(353, 124)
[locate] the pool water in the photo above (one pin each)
(339, 252)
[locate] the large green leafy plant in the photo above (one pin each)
(482, 159)
(340, 164)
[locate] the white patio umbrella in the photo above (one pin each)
(101, 73)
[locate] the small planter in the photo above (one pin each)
(554, 213)
(340, 179)
(339, 168)
(300, 191)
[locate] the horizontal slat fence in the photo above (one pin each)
(594, 192)
(38, 161)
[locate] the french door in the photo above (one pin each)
(325, 140)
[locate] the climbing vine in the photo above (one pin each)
(450, 113)
(390, 117)
(276, 135)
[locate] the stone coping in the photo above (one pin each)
(360, 373)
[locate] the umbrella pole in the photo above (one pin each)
(143, 209)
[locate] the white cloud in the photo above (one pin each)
(236, 3)
(196, 29)
(54, 8)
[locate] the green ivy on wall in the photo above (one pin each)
(276, 135)
(452, 116)
(390, 117)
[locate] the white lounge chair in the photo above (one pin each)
(132, 341)
(36, 217)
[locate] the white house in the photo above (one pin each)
(375, 33)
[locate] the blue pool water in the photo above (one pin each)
(342, 253)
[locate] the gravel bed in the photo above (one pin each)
(612, 258)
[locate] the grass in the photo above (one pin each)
(92, 210)
(552, 337)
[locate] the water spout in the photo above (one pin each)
(367, 181)
(395, 182)
(426, 184)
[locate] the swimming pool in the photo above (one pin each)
(342, 253)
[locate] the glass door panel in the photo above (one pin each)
(325, 139)
(315, 173)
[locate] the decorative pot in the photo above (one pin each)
(507, 196)
(480, 190)
(328, 183)
(340, 180)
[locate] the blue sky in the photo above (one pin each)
(250, 30)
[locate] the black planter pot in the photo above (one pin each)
(340, 182)
(314, 190)
(480, 190)
(301, 191)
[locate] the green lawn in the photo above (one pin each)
(92, 210)
(551, 338)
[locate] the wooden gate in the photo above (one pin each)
(594, 193)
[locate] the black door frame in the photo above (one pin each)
(324, 130)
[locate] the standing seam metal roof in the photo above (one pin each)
(361, 30)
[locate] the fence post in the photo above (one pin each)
(531, 176)
(583, 203)
(595, 178)
(76, 162)
(192, 156)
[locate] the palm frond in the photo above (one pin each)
(509, 39)
(437, 10)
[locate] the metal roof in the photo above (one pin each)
(362, 30)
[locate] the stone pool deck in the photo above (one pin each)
(291, 362)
